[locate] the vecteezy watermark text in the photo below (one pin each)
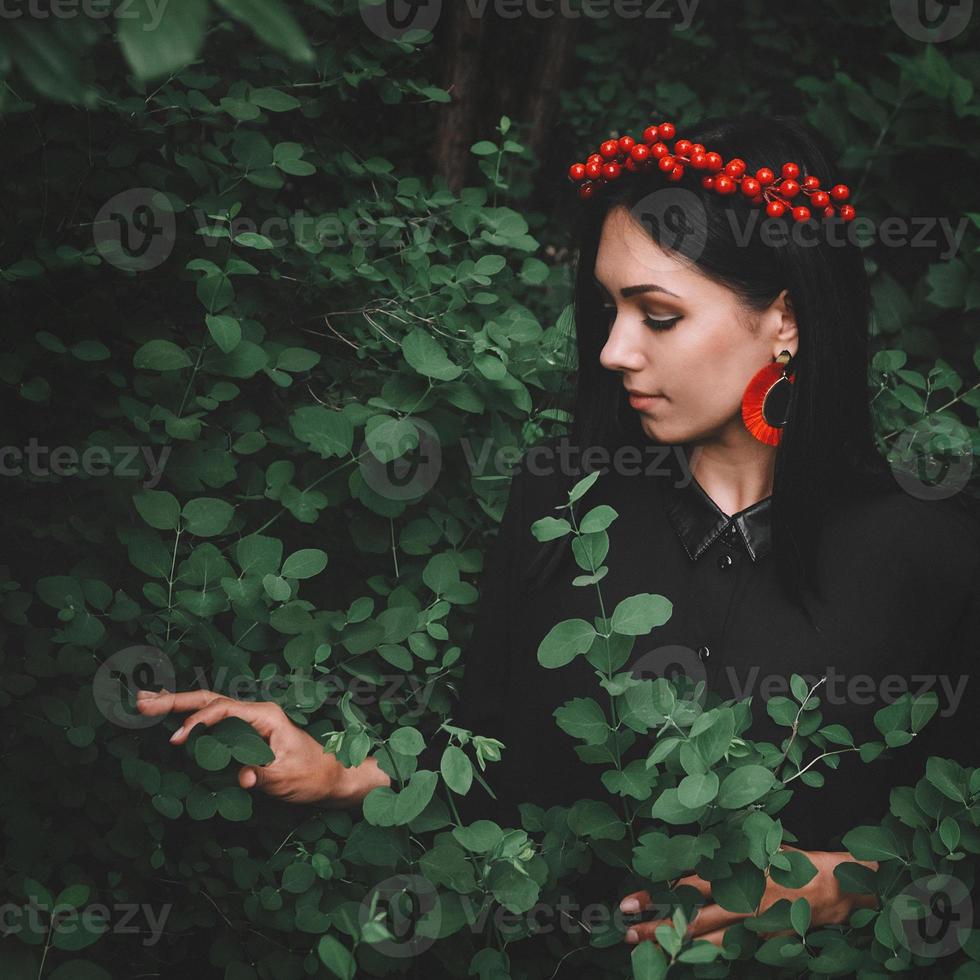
(38, 460)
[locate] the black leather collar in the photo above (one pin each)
(698, 520)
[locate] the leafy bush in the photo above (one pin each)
(235, 310)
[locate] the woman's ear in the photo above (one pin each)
(785, 335)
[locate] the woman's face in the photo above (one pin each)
(681, 337)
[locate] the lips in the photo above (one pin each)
(645, 394)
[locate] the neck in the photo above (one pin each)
(735, 472)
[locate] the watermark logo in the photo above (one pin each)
(410, 463)
(124, 673)
(679, 664)
(933, 916)
(676, 218)
(135, 230)
(391, 20)
(925, 474)
(932, 21)
(400, 917)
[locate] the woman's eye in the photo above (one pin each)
(651, 322)
(660, 324)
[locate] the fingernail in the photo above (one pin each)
(632, 936)
(146, 694)
(177, 734)
(629, 905)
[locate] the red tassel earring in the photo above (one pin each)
(765, 404)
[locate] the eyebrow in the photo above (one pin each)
(648, 287)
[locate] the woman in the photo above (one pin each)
(799, 557)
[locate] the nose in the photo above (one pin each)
(623, 349)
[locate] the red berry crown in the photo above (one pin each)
(779, 194)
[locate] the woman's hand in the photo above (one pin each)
(301, 771)
(828, 903)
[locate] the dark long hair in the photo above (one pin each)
(827, 450)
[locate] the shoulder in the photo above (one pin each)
(904, 534)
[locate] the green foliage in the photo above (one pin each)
(247, 304)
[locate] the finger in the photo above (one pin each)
(162, 703)
(635, 902)
(712, 917)
(250, 776)
(642, 931)
(261, 716)
(717, 937)
(696, 881)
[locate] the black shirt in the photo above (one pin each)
(898, 607)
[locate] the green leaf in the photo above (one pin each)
(273, 24)
(207, 516)
(799, 916)
(697, 789)
(304, 563)
(741, 891)
(583, 718)
(161, 355)
(598, 519)
(428, 357)
(799, 873)
(456, 769)
(158, 508)
(225, 330)
(211, 753)
(946, 776)
(564, 642)
(336, 957)
(871, 844)
(158, 39)
(648, 962)
(744, 786)
(637, 615)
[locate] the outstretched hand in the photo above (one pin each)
(301, 771)
(828, 902)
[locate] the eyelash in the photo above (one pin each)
(658, 325)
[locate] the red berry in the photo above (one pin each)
(820, 199)
(667, 131)
(640, 152)
(708, 183)
(593, 169)
(775, 209)
(750, 187)
(735, 167)
(609, 149)
(630, 165)
(611, 170)
(676, 173)
(576, 171)
(828, 211)
(789, 188)
(765, 176)
(594, 158)
(697, 148)
(790, 170)
(650, 134)
(712, 161)
(847, 212)
(666, 163)
(810, 183)
(586, 190)
(758, 199)
(659, 150)
(626, 143)
(801, 213)
(682, 147)
(724, 185)
(697, 159)
(840, 192)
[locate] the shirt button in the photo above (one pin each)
(725, 562)
(730, 532)
(703, 653)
